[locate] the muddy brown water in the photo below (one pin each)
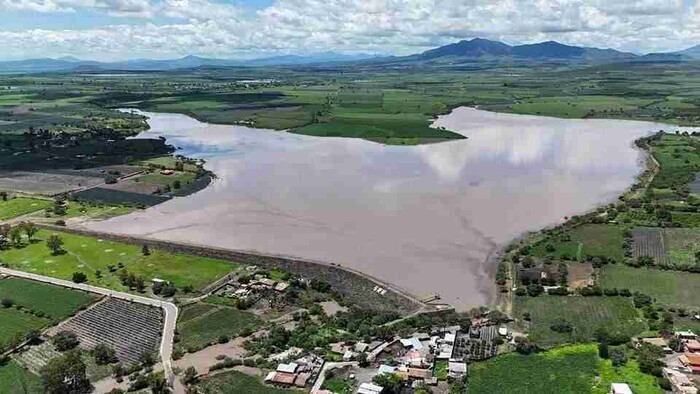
(424, 218)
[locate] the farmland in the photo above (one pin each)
(200, 326)
(15, 324)
(54, 302)
(89, 255)
(582, 241)
(570, 369)
(234, 382)
(19, 206)
(586, 314)
(16, 380)
(667, 287)
(629, 373)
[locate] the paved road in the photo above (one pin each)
(170, 310)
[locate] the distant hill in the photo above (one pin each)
(474, 50)
(482, 48)
(74, 64)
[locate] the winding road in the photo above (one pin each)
(170, 310)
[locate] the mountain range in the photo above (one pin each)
(476, 49)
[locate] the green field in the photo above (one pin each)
(87, 255)
(201, 325)
(629, 373)
(569, 369)
(16, 380)
(585, 240)
(53, 301)
(668, 287)
(15, 324)
(235, 383)
(19, 206)
(586, 314)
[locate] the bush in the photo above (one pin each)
(561, 325)
(104, 354)
(79, 277)
(65, 340)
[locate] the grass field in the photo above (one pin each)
(668, 287)
(586, 240)
(569, 369)
(235, 383)
(87, 255)
(585, 314)
(15, 324)
(639, 382)
(200, 325)
(338, 386)
(16, 380)
(19, 206)
(55, 302)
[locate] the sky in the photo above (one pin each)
(109, 30)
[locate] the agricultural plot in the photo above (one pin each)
(89, 255)
(649, 241)
(36, 357)
(130, 328)
(15, 324)
(585, 314)
(51, 301)
(586, 240)
(570, 369)
(671, 288)
(107, 195)
(16, 380)
(639, 382)
(55, 181)
(19, 206)
(234, 382)
(682, 244)
(201, 326)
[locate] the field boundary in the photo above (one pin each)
(358, 287)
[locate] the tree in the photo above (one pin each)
(603, 350)
(145, 251)
(390, 381)
(30, 229)
(79, 277)
(66, 374)
(104, 354)
(177, 184)
(16, 236)
(147, 359)
(6, 302)
(54, 243)
(168, 290)
(33, 337)
(362, 360)
(561, 325)
(190, 376)
(5, 230)
(3, 196)
(618, 357)
(65, 340)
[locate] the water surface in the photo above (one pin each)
(425, 218)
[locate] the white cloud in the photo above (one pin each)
(394, 26)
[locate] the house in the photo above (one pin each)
(660, 342)
(685, 335)
(691, 361)
(456, 370)
(287, 368)
(691, 346)
(369, 388)
(361, 347)
(348, 355)
(167, 172)
(680, 384)
(281, 286)
(620, 388)
(267, 282)
(280, 378)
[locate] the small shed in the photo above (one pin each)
(620, 388)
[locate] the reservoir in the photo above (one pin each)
(425, 218)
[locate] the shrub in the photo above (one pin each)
(65, 340)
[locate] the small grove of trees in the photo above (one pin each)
(65, 340)
(132, 281)
(561, 325)
(391, 382)
(104, 355)
(66, 374)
